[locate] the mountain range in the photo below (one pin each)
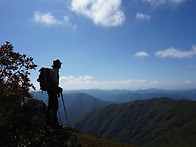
(132, 116)
(153, 122)
(122, 96)
(78, 102)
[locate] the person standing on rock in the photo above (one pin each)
(53, 95)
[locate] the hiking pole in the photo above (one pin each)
(64, 107)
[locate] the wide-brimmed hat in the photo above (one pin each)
(56, 63)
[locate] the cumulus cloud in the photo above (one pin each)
(141, 54)
(157, 3)
(102, 12)
(155, 82)
(66, 19)
(87, 82)
(76, 80)
(48, 19)
(140, 16)
(188, 82)
(176, 53)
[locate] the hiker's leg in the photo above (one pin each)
(49, 109)
(54, 116)
(55, 108)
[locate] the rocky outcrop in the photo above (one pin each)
(22, 123)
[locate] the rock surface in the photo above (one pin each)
(23, 123)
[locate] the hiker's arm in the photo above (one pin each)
(56, 84)
(55, 78)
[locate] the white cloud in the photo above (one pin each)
(141, 54)
(141, 16)
(87, 82)
(66, 19)
(176, 53)
(48, 19)
(188, 82)
(176, 1)
(102, 12)
(155, 82)
(156, 3)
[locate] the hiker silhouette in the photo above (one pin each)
(53, 94)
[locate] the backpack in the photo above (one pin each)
(45, 78)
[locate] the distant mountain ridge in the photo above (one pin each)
(78, 102)
(154, 122)
(122, 96)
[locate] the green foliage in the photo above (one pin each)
(95, 141)
(79, 103)
(154, 122)
(18, 124)
(14, 71)
(24, 125)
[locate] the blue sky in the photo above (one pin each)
(106, 44)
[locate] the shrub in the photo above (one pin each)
(14, 71)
